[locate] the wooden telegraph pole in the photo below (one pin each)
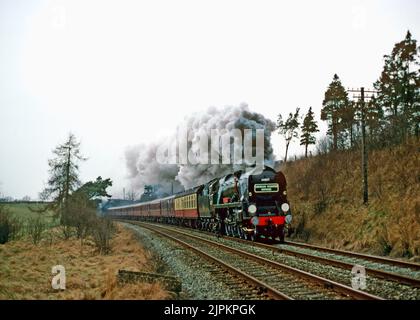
(361, 98)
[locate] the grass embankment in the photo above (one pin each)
(326, 196)
(25, 269)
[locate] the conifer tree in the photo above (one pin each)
(398, 89)
(335, 104)
(64, 176)
(308, 128)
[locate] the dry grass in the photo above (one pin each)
(328, 191)
(25, 269)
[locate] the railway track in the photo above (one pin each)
(390, 285)
(361, 260)
(245, 285)
(378, 259)
(276, 280)
(334, 258)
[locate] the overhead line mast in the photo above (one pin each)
(361, 98)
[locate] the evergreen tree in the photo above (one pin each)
(398, 88)
(348, 122)
(289, 128)
(335, 105)
(374, 122)
(308, 128)
(95, 189)
(64, 176)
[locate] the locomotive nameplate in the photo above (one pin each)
(266, 187)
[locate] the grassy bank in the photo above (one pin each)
(25, 269)
(326, 196)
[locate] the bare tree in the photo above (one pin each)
(289, 128)
(132, 195)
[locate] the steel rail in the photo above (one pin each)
(267, 289)
(320, 280)
(391, 276)
(394, 262)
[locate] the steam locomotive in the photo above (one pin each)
(247, 204)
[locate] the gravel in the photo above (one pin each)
(200, 279)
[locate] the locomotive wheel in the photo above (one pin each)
(253, 237)
(238, 232)
(281, 234)
(230, 231)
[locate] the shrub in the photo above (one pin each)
(320, 206)
(102, 232)
(35, 228)
(4, 227)
(10, 227)
(66, 231)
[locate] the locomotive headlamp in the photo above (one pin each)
(285, 207)
(252, 208)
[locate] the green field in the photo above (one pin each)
(23, 212)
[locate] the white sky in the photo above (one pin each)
(117, 73)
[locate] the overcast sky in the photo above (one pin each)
(118, 73)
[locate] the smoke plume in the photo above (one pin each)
(144, 169)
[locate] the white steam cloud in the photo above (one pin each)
(144, 169)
